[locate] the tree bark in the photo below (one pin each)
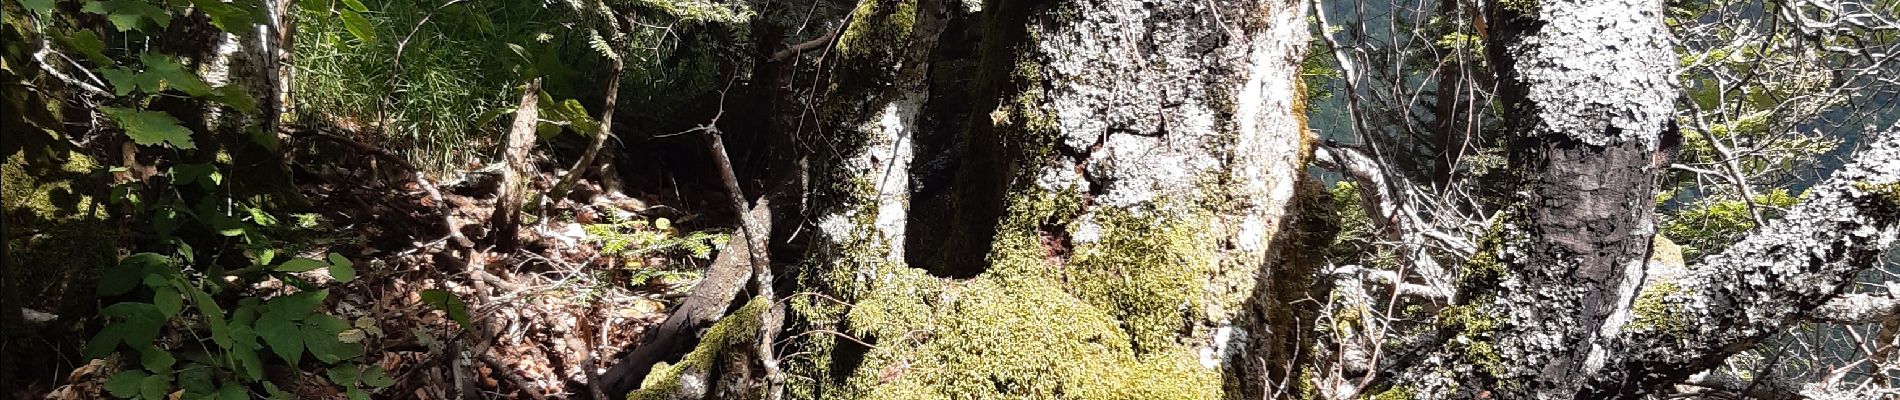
(1558, 302)
(506, 222)
(1122, 206)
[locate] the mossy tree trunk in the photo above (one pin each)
(1127, 179)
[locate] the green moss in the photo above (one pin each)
(1394, 393)
(1657, 311)
(1143, 271)
(1889, 191)
(878, 29)
(58, 232)
(1525, 7)
(731, 338)
(1021, 337)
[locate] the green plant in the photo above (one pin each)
(635, 240)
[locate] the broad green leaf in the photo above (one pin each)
(175, 75)
(355, 393)
(87, 44)
(213, 315)
(546, 131)
(376, 377)
(138, 323)
(155, 387)
(275, 393)
(297, 306)
(339, 260)
(301, 264)
(102, 344)
(125, 384)
(358, 26)
(118, 279)
(266, 255)
(229, 17)
(284, 336)
(449, 304)
(342, 273)
(41, 7)
(127, 15)
(236, 97)
(356, 5)
(156, 359)
(168, 301)
(344, 375)
(149, 128)
(341, 268)
(203, 174)
(123, 80)
(230, 392)
(197, 380)
(244, 355)
(320, 337)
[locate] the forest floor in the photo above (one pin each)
(592, 274)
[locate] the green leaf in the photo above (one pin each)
(376, 377)
(297, 306)
(213, 315)
(102, 344)
(343, 273)
(41, 7)
(244, 354)
(125, 384)
(175, 75)
(301, 264)
(358, 26)
(149, 128)
(196, 380)
(356, 5)
(229, 17)
(344, 375)
(139, 323)
(546, 131)
(236, 97)
(449, 304)
(355, 393)
(320, 337)
(168, 301)
(126, 15)
(155, 387)
(229, 392)
(123, 80)
(341, 268)
(117, 280)
(155, 359)
(204, 174)
(265, 256)
(87, 44)
(284, 336)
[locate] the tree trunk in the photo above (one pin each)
(1122, 206)
(506, 222)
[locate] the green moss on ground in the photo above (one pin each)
(59, 232)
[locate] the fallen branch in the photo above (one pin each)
(707, 301)
(755, 233)
(1858, 308)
